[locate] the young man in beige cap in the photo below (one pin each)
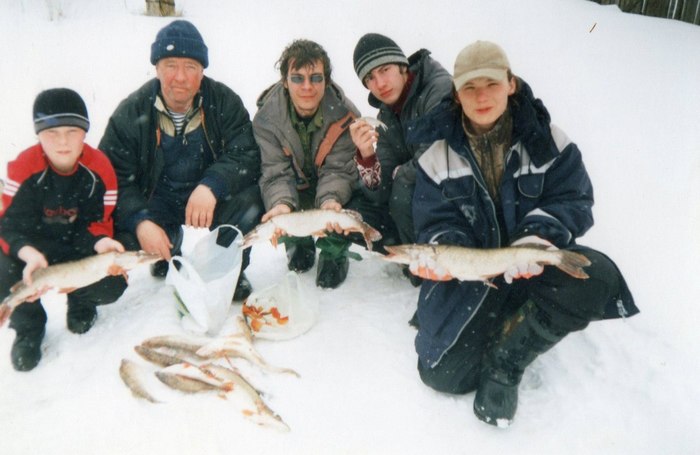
(498, 174)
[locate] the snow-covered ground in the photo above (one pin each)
(624, 87)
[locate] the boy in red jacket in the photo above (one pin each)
(56, 206)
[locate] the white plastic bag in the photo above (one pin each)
(281, 311)
(206, 280)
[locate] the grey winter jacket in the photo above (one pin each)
(431, 86)
(283, 155)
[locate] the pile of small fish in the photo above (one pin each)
(189, 364)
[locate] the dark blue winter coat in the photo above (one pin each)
(545, 191)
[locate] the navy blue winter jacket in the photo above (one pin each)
(545, 191)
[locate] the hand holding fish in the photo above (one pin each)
(33, 260)
(311, 222)
(332, 204)
(279, 209)
(527, 269)
(106, 244)
(363, 132)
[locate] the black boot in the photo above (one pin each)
(301, 254)
(159, 269)
(331, 272)
(525, 336)
(243, 288)
(81, 316)
(26, 349)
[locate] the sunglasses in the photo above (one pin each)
(299, 79)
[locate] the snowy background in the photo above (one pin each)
(624, 87)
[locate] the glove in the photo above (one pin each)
(525, 269)
(427, 268)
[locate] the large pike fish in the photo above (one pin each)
(68, 276)
(310, 222)
(482, 264)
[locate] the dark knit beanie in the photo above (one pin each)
(59, 107)
(373, 50)
(179, 39)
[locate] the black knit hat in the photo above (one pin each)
(180, 39)
(373, 50)
(59, 107)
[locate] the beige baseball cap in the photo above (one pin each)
(480, 59)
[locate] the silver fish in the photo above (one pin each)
(481, 264)
(373, 122)
(237, 345)
(253, 406)
(133, 376)
(68, 276)
(187, 378)
(310, 222)
(159, 357)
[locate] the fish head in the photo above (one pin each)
(400, 254)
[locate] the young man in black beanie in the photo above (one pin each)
(184, 152)
(57, 207)
(402, 89)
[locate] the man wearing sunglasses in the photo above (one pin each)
(307, 155)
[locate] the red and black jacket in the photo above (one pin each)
(61, 215)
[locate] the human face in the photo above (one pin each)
(180, 79)
(386, 82)
(484, 100)
(63, 146)
(306, 95)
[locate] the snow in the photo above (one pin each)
(625, 91)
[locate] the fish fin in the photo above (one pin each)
(430, 274)
(490, 284)
(66, 290)
(573, 263)
(5, 312)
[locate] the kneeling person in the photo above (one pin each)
(307, 155)
(57, 207)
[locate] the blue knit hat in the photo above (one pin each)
(180, 39)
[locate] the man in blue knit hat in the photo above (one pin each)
(184, 152)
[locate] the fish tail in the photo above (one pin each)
(573, 263)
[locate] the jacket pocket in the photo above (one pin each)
(455, 189)
(531, 185)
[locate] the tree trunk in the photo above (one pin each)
(160, 7)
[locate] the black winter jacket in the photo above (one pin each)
(131, 143)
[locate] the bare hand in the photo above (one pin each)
(34, 260)
(200, 207)
(364, 136)
(279, 209)
(332, 204)
(106, 244)
(153, 239)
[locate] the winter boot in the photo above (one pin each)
(26, 349)
(301, 254)
(331, 271)
(243, 288)
(525, 336)
(81, 316)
